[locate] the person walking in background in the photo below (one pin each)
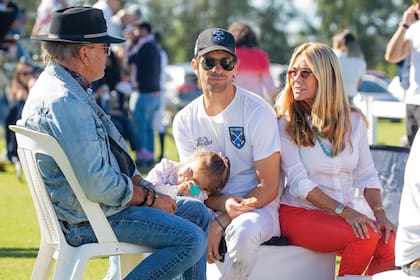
(109, 8)
(159, 124)
(352, 61)
(405, 42)
(123, 22)
(203, 174)
(327, 157)
(147, 62)
(407, 243)
(254, 64)
(242, 126)
(61, 104)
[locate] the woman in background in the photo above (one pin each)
(254, 64)
(22, 81)
(352, 62)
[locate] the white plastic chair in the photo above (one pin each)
(71, 261)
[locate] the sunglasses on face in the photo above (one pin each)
(293, 73)
(107, 49)
(27, 73)
(208, 63)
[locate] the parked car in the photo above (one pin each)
(385, 105)
(180, 86)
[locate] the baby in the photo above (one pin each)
(203, 174)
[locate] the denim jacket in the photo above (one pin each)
(59, 106)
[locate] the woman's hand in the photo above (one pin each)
(359, 223)
(384, 224)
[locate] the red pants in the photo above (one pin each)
(324, 232)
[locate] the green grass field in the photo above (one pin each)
(19, 232)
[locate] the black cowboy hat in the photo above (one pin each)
(78, 25)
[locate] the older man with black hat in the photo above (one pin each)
(61, 104)
(243, 127)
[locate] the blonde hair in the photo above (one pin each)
(216, 167)
(17, 83)
(329, 115)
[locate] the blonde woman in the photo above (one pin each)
(327, 158)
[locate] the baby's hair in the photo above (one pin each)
(217, 167)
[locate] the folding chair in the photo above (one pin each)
(70, 261)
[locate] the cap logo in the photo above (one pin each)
(219, 36)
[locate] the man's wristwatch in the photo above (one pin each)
(406, 26)
(340, 209)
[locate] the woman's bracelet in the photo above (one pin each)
(378, 207)
(146, 196)
(220, 224)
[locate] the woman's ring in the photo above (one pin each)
(356, 224)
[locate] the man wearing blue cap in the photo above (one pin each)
(61, 104)
(242, 126)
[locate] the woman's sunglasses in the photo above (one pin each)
(293, 73)
(208, 63)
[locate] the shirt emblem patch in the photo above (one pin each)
(237, 136)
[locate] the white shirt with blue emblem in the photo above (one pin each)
(245, 131)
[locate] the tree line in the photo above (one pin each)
(180, 21)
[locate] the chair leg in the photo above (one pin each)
(43, 262)
(114, 269)
(70, 265)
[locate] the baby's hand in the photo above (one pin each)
(185, 187)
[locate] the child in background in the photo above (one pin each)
(209, 171)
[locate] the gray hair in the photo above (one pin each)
(55, 52)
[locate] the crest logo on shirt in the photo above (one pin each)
(237, 136)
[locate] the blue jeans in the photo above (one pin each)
(180, 240)
(145, 109)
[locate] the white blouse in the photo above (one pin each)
(308, 167)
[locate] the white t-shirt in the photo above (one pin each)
(407, 243)
(413, 92)
(245, 131)
(352, 69)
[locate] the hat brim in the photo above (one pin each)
(103, 39)
(215, 48)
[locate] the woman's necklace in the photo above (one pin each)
(327, 153)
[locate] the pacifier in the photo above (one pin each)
(195, 190)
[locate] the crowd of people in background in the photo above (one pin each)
(132, 89)
(313, 135)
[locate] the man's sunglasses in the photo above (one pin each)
(208, 63)
(27, 73)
